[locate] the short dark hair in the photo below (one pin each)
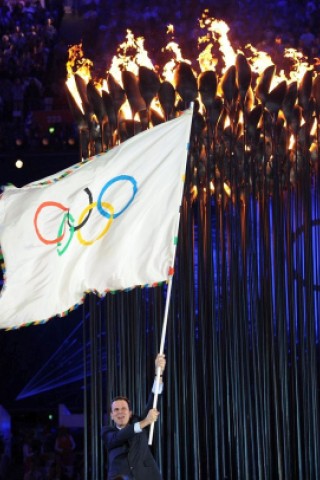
(120, 397)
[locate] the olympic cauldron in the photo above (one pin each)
(255, 126)
(255, 134)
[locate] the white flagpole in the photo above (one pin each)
(161, 350)
(163, 336)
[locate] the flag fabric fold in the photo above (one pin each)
(106, 224)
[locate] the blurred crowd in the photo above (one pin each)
(33, 54)
(42, 453)
(260, 22)
(28, 37)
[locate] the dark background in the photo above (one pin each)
(101, 26)
(41, 353)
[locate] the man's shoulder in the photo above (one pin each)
(107, 429)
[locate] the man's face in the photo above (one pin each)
(120, 413)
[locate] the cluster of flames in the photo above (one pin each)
(254, 123)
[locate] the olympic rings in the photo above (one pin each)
(106, 209)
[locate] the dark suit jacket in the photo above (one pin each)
(129, 453)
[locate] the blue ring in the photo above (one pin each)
(119, 178)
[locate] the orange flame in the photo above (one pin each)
(130, 55)
(77, 64)
(215, 49)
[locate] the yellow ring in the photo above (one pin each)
(104, 231)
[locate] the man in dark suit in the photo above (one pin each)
(126, 441)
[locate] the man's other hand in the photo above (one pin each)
(160, 362)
